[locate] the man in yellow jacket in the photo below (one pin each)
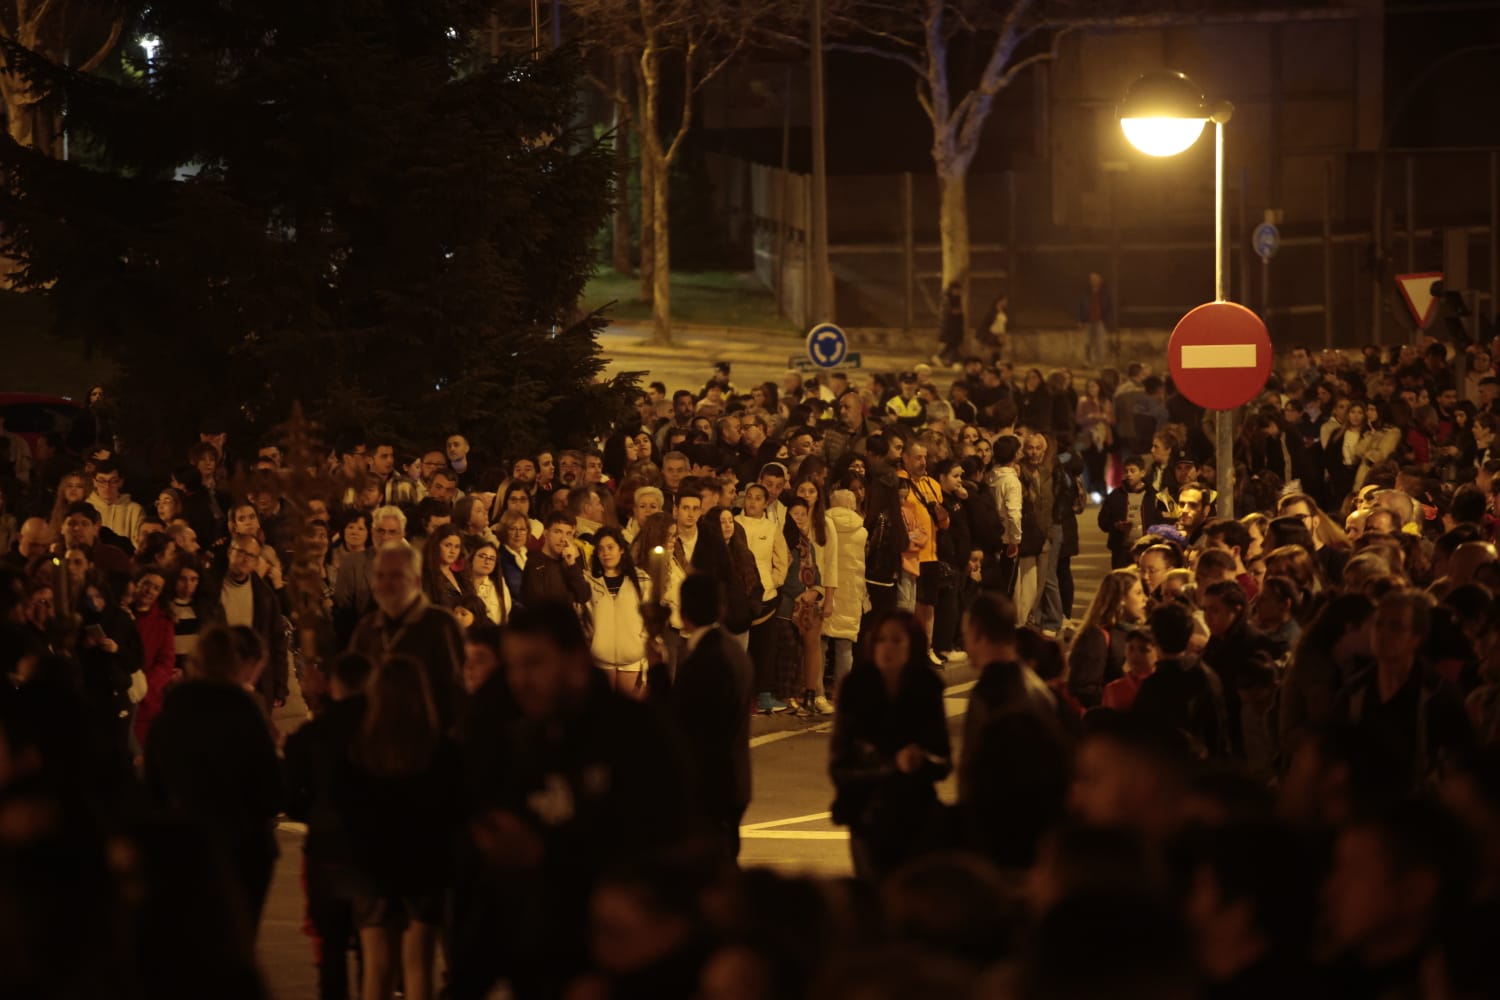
(921, 503)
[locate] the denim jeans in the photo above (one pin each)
(1046, 613)
(1027, 584)
(1095, 335)
(843, 657)
(906, 592)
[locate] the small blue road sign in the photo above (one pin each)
(801, 363)
(1267, 240)
(827, 345)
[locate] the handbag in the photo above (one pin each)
(138, 687)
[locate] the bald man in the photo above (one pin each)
(35, 539)
(1399, 504)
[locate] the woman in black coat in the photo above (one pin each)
(1034, 408)
(890, 749)
(399, 797)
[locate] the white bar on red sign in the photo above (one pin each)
(1218, 356)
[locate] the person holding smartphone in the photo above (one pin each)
(799, 673)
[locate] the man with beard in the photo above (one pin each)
(405, 622)
(1193, 510)
(848, 430)
(244, 598)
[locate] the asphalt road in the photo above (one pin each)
(787, 826)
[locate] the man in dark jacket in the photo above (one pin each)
(848, 430)
(82, 530)
(1127, 512)
(245, 598)
(590, 779)
(1005, 806)
(405, 621)
(1005, 683)
(1415, 715)
(885, 528)
(1183, 694)
(314, 757)
(211, 760)
(710, 696)
(554, 573)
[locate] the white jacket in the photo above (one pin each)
(123, 517)
(1005, 489)
(828, 556)
(619, 641)
(768, 546)
(850, 600)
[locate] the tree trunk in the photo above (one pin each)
(661, 299)
(648, 223)
(619, 246)
(954, 226)
(31, 122)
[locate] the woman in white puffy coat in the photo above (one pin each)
(616, 592)
(851, 600)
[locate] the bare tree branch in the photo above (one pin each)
(92, 63)
(910, 62)
(39, 16)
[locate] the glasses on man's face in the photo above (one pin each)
(387, 533)
(107, 480)
(245, 553)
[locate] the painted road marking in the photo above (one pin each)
(1218, 355)
(954, 702)
(786, 734)
(793, 821)
(794, 834)
(768, 830)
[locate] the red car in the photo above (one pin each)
(31, 415)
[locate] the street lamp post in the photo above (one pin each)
(1163, 114)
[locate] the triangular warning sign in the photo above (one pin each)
(1417, 290)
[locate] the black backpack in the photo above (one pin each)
(882, 553)
(984, 520)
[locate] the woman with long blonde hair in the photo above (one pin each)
(1098, 653)
(71, 489)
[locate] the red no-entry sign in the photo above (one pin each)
(1220, 355)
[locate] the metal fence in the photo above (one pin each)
(1331, 282)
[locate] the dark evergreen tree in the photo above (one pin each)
(337, 202)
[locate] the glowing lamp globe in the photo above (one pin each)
(1162, 136)
(1163, 113)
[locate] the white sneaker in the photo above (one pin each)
(822, 705)
(937, 661)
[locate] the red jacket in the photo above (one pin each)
(1120, 694)
(159, 659)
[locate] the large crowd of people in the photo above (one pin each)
(1259, 759)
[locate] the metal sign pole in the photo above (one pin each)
(1223, 419)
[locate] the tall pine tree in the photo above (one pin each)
(333, 202)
